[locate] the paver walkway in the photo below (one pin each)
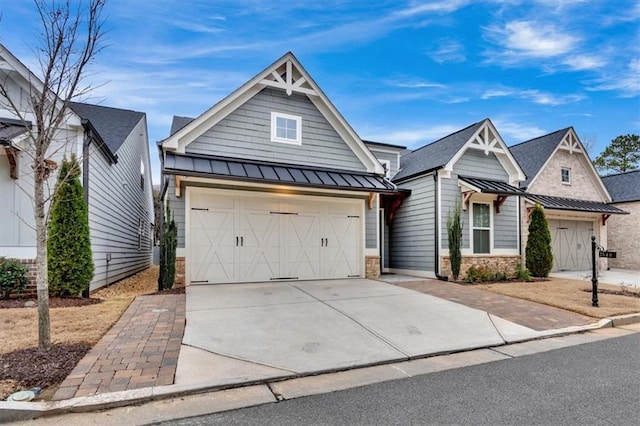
(140, 350)
(530, 314)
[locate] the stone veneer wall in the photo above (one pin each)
(624, 237)
(506, 264)
(180, 275)
(372, 266)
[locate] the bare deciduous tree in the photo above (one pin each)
(71, 37)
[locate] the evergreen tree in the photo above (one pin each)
(168, 244)
(539, 258)
(621, 155)
(69, 256)
(454, 231)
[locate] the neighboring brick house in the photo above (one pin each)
(624, 231)
(561, 177)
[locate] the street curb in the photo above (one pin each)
(11, 411)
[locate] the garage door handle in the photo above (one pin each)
(237, 239)
(241, 241)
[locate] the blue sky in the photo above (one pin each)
(403, 72)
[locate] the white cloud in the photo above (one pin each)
(445, 6)
(448, 51)
(535, 96)
(625, 81)
(585, 62)
(516, 131)
(414, 84)
(529, 39)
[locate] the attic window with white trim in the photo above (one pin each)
(565, 175)
(286, 128)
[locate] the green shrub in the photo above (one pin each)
(484, 273)
(539, 257)
(69, 258)
(522, 274)
(168, 244)
(13, 277)
(454, 231)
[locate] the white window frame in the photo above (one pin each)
(297, 119)
(387, 167)
(568, 169)
(472, 227)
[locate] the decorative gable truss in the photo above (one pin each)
(289, 75)
(571, 143)
(488, 140)
(290, 79)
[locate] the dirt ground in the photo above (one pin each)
(75, 327)
(572, 295)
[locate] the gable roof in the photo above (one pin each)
(534, 153)
(436, 154)
(286, 73)
(623, 187)
(178, 123)
(113, 125)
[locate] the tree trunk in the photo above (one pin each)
(42, 278)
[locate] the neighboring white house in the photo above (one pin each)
(113, 146)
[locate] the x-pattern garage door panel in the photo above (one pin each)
(212, 248)
(571, 243)
(341, 246)
(236, 238)
(260, 245)
(302, 245)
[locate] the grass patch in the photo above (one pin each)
(569, 295)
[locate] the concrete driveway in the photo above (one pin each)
(242, 332)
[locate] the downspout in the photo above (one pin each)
(437, 232)
(85, 181)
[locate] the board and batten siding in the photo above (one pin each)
(412, 236)
(371, 227)
(505, 224)
(246, 133)
(119, 209)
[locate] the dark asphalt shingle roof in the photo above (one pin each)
(179, 122)
(489, 186)
(435, 154)
(532, 154)
(560, 203)
(261, 171)
(113, 125)
(10, 128)
(384, 145)
(623, 187)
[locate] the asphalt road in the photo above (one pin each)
(595, 383)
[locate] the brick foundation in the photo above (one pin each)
(506, 264)
(180, 275)
(372, 266)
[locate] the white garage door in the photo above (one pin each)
(250, 238)
(571, 242)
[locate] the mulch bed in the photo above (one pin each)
(176, 290)
(33, 368)
(54, 302)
